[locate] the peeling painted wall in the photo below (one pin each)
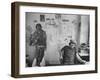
(60, 29)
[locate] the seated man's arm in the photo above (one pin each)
(80, 59)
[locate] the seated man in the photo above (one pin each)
(69, 55)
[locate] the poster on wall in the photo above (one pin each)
(52, 39)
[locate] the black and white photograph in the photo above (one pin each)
(51, 39)
(57, 39)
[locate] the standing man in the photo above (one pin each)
(38, 39)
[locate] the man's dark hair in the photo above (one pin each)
(71, 42)
(38, 25)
